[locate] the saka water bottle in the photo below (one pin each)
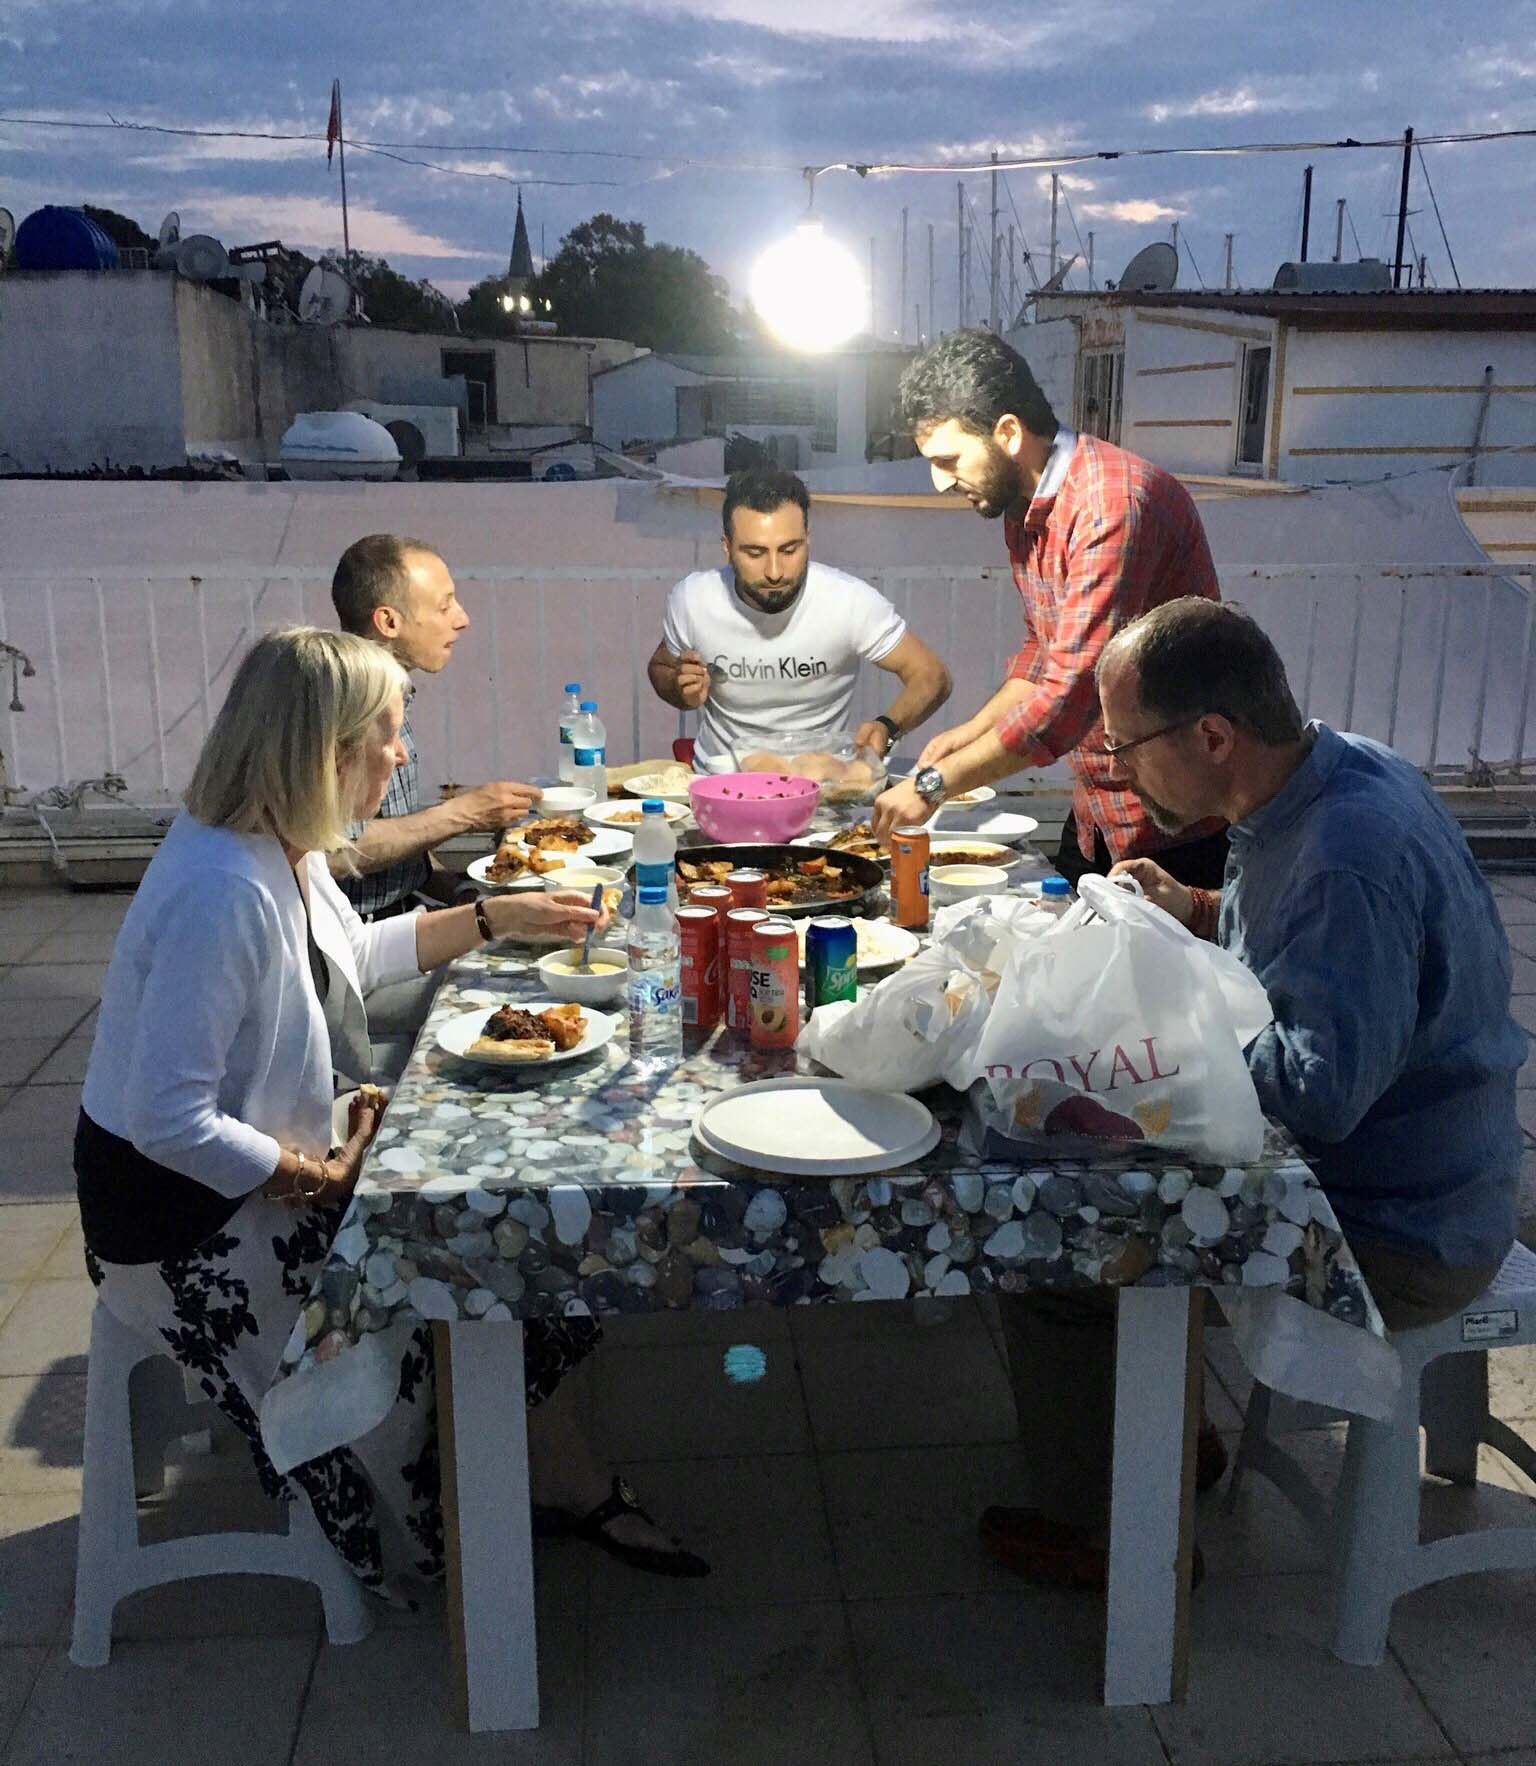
(589, 750)
(655, 987)
(656, 851)
(569, 712)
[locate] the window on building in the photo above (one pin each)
(1098, 396)
(479, 370)
(760, 403)
(1253, 416)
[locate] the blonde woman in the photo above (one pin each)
(209, 1188)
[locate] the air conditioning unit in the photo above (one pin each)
(421, 432)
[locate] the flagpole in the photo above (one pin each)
(341, 142)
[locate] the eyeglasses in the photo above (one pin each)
(1115, 749)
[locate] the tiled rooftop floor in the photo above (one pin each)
(850, 1617)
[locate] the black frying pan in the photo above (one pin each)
(864, 874)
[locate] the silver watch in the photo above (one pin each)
(930, 786)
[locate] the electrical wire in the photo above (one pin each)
(1349, 215)
(1184, 241)
(1029, 256)
(1435, 201)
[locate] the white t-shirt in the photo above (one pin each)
(777, 675)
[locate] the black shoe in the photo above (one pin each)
(559, 1523)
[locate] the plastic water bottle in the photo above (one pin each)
(656, 851)
(569, 712)
(589, 750)
(1055, 895)
(655, 990)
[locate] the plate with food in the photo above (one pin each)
(878, 944)
(515, 866)
(625, 814)
(568, 837)
(970, 849)
(799, 879)
(670, 784)
(538, 1034)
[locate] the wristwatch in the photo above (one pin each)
(929, 785)
(892, 728)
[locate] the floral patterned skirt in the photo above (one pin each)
(225, 1312)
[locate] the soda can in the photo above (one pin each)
(749, 889)
(738, 999)
(775, 984)
(714, 896)
(909, 878)
(831, 961)
(699, 931)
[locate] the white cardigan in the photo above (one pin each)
(211, 1050)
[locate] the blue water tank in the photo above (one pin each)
(63, 239)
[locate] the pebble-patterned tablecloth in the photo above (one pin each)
(492, 1194)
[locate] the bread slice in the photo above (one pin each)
(510, 1052)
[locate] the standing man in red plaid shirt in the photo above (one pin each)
(1097, 536)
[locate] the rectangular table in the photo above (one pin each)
(492, 1196)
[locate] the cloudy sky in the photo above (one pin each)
(773, 85)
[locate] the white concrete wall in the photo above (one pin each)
(1180, 402)
(220, 370)
(1051, 349)
(1359, 404)
(89, 372)
(538, 379)
(638, 403)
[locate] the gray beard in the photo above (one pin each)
(1163, 818)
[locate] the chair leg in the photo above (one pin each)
(348, 1617)
(1455, 1409)
(1378, 1527)
(159, 1407)
(1249, 1448)
(109, 1521)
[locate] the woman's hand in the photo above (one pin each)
(563, 914)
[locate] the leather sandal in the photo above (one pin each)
(559, 1523)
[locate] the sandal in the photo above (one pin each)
(559, 1523)
(1053, 1554)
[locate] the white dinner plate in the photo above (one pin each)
(606, 843)
(463, 1028)
(817, 1128)
(880, 944)
(609, 813)
(529, 880)
(942, 846)
(670, 787)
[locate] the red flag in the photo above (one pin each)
(333, 127)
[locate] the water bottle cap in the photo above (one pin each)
(573, 686)
(653, 806)
(588, 704)
(1055, 886)
(652, 898)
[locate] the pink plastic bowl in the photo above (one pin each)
(737, 808)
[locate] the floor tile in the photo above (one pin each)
(41, 915)
(76, 944)
(16, 947)
(37, 1565)
(10, 1293)
(993, 1677)
(1458, 1641)
(42, 1425)
(96, 910)
(19, 1669)
(37, 1168)
(1512, 1382)
(67, 1260)
(755, 1686)
(38, 1111)
(1264, 1687)
(759, 1522)
(679, 1404)
(224, 1699)
(65, 1064)
(53, 1018)
(49, 1330)
(1524, 973)
(693, 1326)
(1520, 1757)
(1515, 910)
(919, 1389)
(29, 1233)
(386, 1701)
(813, 1325)
(21, 1056)
(52, 981)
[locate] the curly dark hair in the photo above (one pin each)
(763, 489)
(973, 378)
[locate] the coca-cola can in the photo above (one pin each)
(714, 896)
(738, 1000)
(699, 930)
(774, 984)
(749, 888)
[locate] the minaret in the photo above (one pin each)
(520, 267)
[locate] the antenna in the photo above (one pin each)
(1153, 270)
(170, 229)
(326, 297)
(201, 258)
(7, 235)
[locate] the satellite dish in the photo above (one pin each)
(1153, 270)
(170, 229)
(1058, 277)
(326, 297)
(7, 234)
(201, 258)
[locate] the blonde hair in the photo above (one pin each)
(283, 756)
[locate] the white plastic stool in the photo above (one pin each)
(135, 1406)
(1375, 1523)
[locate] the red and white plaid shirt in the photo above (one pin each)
(1118, 536)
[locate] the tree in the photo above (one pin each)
(394, 300)
(124, 232)
(607, 281)
(481, 312)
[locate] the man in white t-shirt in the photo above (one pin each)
(768, 648)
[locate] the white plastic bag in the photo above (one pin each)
(905, 1034)
(1120, 1024)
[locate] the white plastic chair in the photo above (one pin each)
(1375, 1523)
(135, 1406)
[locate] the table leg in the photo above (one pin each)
(1151, 1529)
(483, 1438)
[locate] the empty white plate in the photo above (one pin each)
(817, 1128)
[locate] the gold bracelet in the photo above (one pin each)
(309, 1195)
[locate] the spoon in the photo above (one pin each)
(584, 967)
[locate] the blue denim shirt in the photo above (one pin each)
(1353, 897)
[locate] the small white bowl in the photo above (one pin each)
(582, 877)
(564, 800)
(564, 983)
(951, 883)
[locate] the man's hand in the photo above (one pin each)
(1158, 887)
(902, 806)
(873, 735)
(946, 743)
(692, 679)
(490, 808)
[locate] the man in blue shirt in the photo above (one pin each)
(1351, 894)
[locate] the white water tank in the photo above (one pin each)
(338, 444)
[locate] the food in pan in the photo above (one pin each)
(512, 1035)
(789, 882)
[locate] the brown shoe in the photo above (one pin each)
(1210, 1457)
(1051, 1554)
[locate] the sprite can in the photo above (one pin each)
(831, 961)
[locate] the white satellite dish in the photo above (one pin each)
(201, 258)
(7, 234)
(1153, 270)
(1058, 277)
(170, 229)
(326, 297)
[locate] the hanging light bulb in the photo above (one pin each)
(809, 290)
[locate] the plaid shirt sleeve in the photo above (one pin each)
(1109, 579)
